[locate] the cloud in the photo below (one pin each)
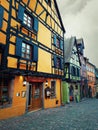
(72, 6)
(80, 20)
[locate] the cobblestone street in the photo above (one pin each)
(75, 116)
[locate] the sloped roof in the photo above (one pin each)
(68, 46)
(59, 15)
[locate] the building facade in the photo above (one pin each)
(83, 71)
(96, 81)
(90, 78)
(71, 80)
(31, 56)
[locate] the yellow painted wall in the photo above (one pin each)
(44, 35)
(49, 103)
(18, 103)
(44, 61)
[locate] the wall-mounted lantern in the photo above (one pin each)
(46, 83)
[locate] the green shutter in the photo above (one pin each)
(35, 24)
(18, 46)
(21, 12)
(35, 53)
(1, 16)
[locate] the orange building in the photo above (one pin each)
(91, 78)
(31, 56)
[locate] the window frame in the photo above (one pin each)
(58, 62)
(58, 43)
(53, 89)
(6, 92)
(26, 22)
(26, 49)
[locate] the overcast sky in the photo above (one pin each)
(80, 18)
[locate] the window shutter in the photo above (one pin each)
(21, 12)
(54, 37)
(35, 53)
(36, 24)
(61, 44)
(55, 61)
(18, 46)
(61, 63)
(1, 15)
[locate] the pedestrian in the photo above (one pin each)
(76, 94)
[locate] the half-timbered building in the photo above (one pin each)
(31, 56)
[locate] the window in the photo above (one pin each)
(73, 71)
(48, 2)
(78, 72)
(6, 92)
(26, 51)
(53, 89)
(58, 62)
(27, 20)
(37, 92)
(58, 43)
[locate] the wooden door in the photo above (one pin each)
(35, 96)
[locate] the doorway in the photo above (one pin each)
(35, 96)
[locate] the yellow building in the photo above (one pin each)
(31, 56)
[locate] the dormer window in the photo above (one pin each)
(48, 2)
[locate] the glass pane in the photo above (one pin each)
(29, 25)
(27, 56)
(25, 18)
(23, 45)
(28, 51)
(28, 46)
(23, 55)
(37, 93)
(24, 22)
(29, 21)
(25, 15)
(29, 18)
(23, 50)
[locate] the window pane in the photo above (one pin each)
(25, 15)
(27, 56)
(23, 50)
(23, 44)
(53, 89)
(28, 51)
(28, 46)
(25, 18)
(29, 25)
